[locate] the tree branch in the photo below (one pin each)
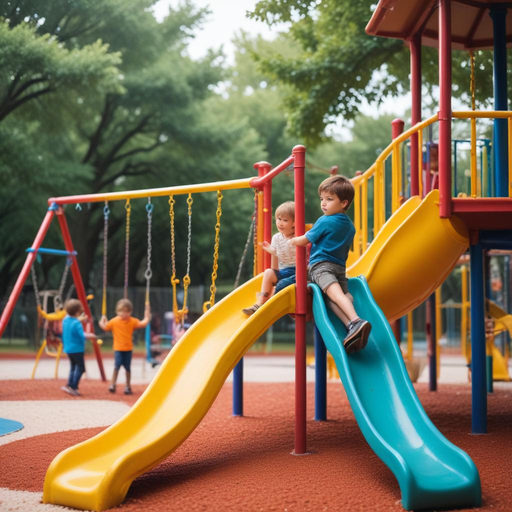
(106, 117)
(137, 150)
(9, 108)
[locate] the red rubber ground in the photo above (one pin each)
(244, 464)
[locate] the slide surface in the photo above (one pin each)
(412, 255)
(96, 474)
(431, 471)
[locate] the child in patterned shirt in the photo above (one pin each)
(282, 271)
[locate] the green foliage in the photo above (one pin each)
(340, 66)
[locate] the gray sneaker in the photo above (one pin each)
(66, 389)
(357, 336)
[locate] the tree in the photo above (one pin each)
(340, 66)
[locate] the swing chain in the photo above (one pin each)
(148, 274)
(186, 279)
(174, 281)
(213, 288)
(472, 82)
(69, 262)
(244, 254)
(128, 209)
(106, 213)
(36, 288)
(255, 235)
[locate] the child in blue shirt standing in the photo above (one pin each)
(73, 339)
(331, 239)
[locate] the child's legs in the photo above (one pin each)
(338, 312)
(118, 361)
(79, 369)
(336, 295)
(72, 365)
(127, 362)
(285, 278)
(267, 285)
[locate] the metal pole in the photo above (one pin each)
(478, 370)
(499, 20)
(320, 377)
(415, 49)
(445, 109)
(431, 342)
(299, 154)
(25, 271)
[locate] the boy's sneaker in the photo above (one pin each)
(74, 392)
(112, 388)
(67, 389)
(128, 391)
(251, 310)
(357, 336)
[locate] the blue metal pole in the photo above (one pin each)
(238, 389)
(56, 252)
(320, 378)
(432, 342)
(478, 370)
(455, 169)
(487, 284)
(499, 19)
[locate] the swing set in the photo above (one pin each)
(52, 343)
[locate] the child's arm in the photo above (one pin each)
(268, 248)
(103, 322)
(299, 241)
(274, 263)
(90, 335)
(147, 317)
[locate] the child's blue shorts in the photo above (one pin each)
(123, 358)
(285, 277)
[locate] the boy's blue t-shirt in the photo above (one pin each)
(332, 237)
(73, 336)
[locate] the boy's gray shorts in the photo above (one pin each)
(326, 273)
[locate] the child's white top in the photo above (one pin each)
(285, 251)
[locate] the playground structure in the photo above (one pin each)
(404, 250)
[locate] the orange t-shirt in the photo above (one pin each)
(123, 331)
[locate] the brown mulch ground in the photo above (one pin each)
(245, 463)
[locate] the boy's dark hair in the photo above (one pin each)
(287, 209)
(340, 186)
(73, 307)
(124, 304)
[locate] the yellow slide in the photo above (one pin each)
(96, 474)
(412, 255)
(503, 322)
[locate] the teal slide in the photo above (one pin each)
(431, 471)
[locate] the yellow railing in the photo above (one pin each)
(376, 172)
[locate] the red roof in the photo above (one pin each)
(471, 23)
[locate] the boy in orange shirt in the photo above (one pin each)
(122, 327)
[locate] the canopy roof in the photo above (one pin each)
(471, 23)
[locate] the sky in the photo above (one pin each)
(228, 17)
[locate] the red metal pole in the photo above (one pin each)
(397, 128)
(299, 154)
(445, 109)
(267, 213)
(415, 49)
(79, 285)
(16, 291)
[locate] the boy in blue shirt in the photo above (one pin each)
(331, 239)
(73, 339)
